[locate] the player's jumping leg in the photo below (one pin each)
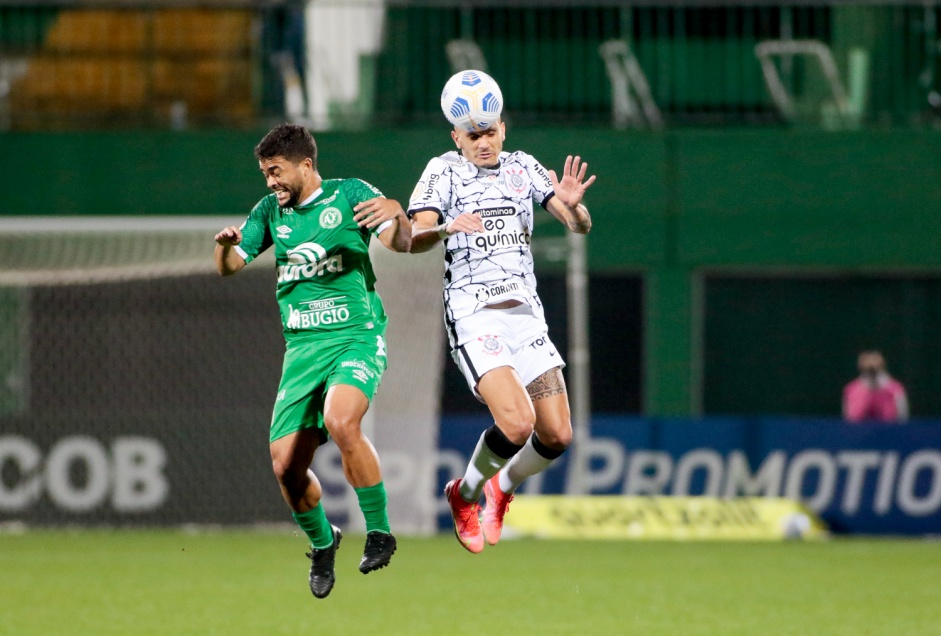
(514, 417)
(344, 408)
(291, 457)
(552, 435)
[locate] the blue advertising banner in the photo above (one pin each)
(868, 478)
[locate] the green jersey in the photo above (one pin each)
(326, 283)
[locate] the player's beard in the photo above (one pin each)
(295, 195)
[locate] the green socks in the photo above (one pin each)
(372, 501)
(315, 525)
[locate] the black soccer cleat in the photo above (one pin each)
(380, 546)
(322, 574)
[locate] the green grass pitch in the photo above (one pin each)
(239, 582)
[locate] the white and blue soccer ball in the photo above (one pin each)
(472, 101)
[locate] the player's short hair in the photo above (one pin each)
(294, 143)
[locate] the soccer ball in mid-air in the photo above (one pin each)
(472, 101)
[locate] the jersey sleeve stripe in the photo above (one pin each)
(383, 226)
(242, 253)
(412, 212)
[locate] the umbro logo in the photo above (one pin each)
(283, 231)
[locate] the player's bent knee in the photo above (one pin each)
(278, 468)
(558, 437)
(280, 463)
(290, 476)
(517, 432)
(344, 430)
(558, 440)
(516, 425)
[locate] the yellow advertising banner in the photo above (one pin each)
(661, 518)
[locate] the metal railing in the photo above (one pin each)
(693, 62)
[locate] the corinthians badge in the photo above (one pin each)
(516, 180)
(490, 345)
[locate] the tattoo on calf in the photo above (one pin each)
(548, 384)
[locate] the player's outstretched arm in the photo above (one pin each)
(376, 211)
(567, 204)
(426, 231)
(228, 261)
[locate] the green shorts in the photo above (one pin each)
(312, 367)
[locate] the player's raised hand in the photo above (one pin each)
(229, 236)
(570, 189)
(376, 211)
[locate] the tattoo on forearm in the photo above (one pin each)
(548, 384)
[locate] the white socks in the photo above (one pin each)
(483, 465)
(530, 458)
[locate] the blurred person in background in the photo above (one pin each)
(478, 200)
(875, 395)
(334, 327)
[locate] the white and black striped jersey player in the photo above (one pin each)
(495, 265)
(479, 201)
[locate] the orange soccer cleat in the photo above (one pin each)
(466, 521)
(498, 502)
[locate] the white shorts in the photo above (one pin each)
(511, 337)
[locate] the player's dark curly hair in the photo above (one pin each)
(292, 142)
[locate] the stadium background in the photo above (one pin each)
(743, 250)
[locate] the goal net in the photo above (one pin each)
(136, 384)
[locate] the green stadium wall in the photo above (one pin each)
(680, 209)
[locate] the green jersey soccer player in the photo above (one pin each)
(334, 325)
